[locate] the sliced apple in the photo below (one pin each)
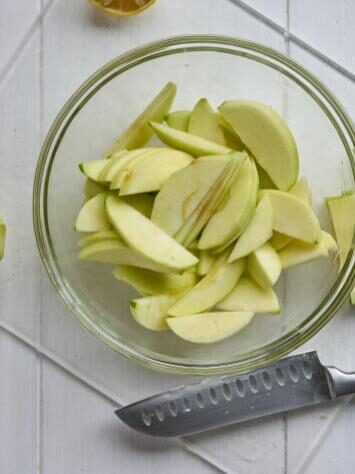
(147, 239)
(257, 232)
(207, 259)
(122, 170)
(94, 237)
(151, 311)
(92, 216)
(234, 212)
(267, 136)
(342, 212)
(93, 169)
(249, 296)
(204, 123)
(179, 120)
(184, 191)
(148, 282)
(329, 241)
(187, 142)
(114, 163)
(117, 253)
(231, 138)
(280, 241)
(206, 328)
(143, 203)
(264, 266)
(302, 190)
(218, 282)
(139, 132)
(298, 252)
(265, 182)
(151, 173)
(293, 217)
(92, 189)
(2, 238)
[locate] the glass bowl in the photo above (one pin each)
(219, 68)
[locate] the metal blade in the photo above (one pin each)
(290, 383)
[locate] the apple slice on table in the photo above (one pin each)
(218, 282)
(193, 225)
(178, 120)
(93, 169)
(342, 212)
(293, 217)
(94, 237)
(184, 191)
(151, 311)
(152, 172)
(187, 142)
(92, 189)
(268, 138)
(2, 238)
(298, 252)
(207, 259)
(139, 132)
(264, 266)
(92, 216)
(147, 239)
(249, 296)
(206, 328)
(204, 123)
(257, 232)
(235, 210)
(148, 282)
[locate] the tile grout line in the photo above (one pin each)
(294, 38)
(103, 392)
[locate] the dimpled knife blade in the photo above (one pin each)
(291, 383)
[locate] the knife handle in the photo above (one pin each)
(340, 383)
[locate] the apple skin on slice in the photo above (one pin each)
(151, 311)
(206, 328)
(293, 217)
(264, 266)
(187, 142)
(218, 282)
(108, 171)
(152, 172)
(204, 123)
(148, 282)
(147, 239)
(94, 237)
(92, 216)
(249, 296)
(183, 192)
(235, 211)
(342, 212)
(268, 138)
(2, 238)
(257, 232)
(93, 169)
(178, 120)
(139, 132)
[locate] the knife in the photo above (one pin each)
(294, 382)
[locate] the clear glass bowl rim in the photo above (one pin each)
(180, 44)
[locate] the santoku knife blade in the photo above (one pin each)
(293, 382)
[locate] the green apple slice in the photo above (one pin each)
(94, 237)
(342, 212)
(329, 241)
(298, 252)
(151, 311)
(280, 241)
(148, 282)
(147, 239)
(152, 172)
(302, 190)
(93, 169)
(265, 182)
(218, 282)
(264, 266)
(257, 232)
(293, 217)
(179, 120)
(139, 132)
(268, 138)
(2, 238)
(204, 123)
(249, 296)
(109, 170)
(207, 259)
(117, 252)
(187, 142)
(231, 138)
(206, 328)
(92, 216)
(234, 212)
(193, 225)
(143, 203)
(92, 189)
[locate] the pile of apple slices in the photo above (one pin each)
(203, 225)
